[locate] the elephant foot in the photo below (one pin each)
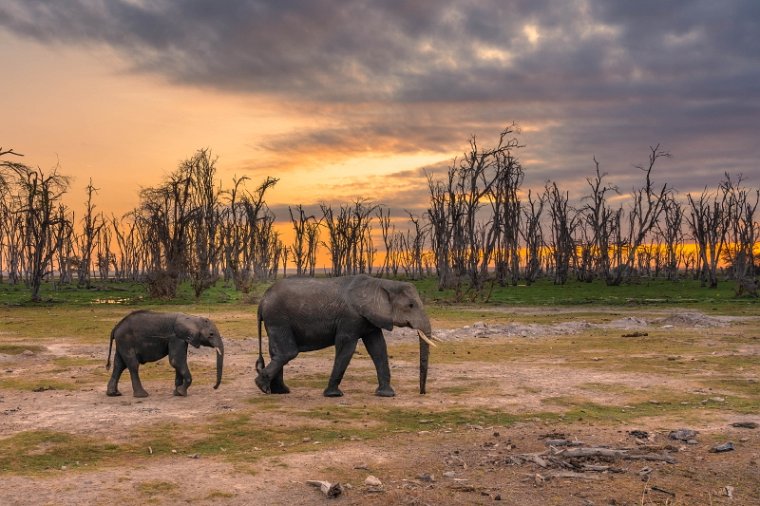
(140, 394)
(282, 389)
(114, 393)
(180, 392)
(333, 392)
(263, 385)
(385, 392)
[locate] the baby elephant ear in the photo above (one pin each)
(186, 328)
(371, 300)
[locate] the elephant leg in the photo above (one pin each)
(282, 349)
(278, 385)
(377, 349)
(178, 360)
(113, 384)
(134, 365)
(344, 350)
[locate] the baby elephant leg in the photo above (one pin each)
(112, 390)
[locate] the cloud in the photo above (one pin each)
(584, 77)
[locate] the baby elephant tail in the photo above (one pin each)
(260, 361)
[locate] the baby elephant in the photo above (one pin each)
(147, 336)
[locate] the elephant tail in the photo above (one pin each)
(110, 345)
(260, 361)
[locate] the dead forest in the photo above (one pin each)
(481, 227)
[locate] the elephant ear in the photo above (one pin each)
(371, 300)
(186, 328)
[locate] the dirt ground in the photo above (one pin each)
(570, 418)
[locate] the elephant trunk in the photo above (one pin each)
(219, 347)
(424, 334)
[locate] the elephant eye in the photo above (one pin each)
(411, 305)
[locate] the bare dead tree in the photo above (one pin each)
(600, 218)
(91, 224)
(387, 230)
(8, 225)
(233, 235)
(349, 237)
(104, 256)
(43, 224)
(533, 236)
(205, 221)
(254, 244)
(130, 249)
(742, 230)
(709, 220)
(416, 242)
(460, 241)
(165, 216)
(312, 242)
(502, 241)
(643, 215)
(300, 246)
(441, 223)
(672, 234)
(64, 255)
(564, 221)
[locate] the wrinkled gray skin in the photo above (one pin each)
(303, 314)
(147, 336)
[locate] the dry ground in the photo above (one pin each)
(511, 394)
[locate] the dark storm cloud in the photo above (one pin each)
(608, 78)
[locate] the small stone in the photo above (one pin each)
(427, 477)
(449, 474)
(725, 447)
(372, 481)
(306, 440)
(683, 434)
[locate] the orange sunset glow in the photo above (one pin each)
(357, 102)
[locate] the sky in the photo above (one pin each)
(344, 100)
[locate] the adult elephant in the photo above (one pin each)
(147, 336)
(303, 314)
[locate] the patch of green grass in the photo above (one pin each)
(684, 293)
(737, 386)
(35, 451)
(157, 487)
(460, 388)
(18, 349)
(37, 384)
(660, 403)
(219, 494)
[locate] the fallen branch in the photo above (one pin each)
(330, 490)
(656, 457)
(592, 452)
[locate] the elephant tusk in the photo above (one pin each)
(426, 339)
(218, 351)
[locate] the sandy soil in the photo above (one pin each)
(521, 463)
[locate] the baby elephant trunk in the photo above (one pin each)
(219, 347)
